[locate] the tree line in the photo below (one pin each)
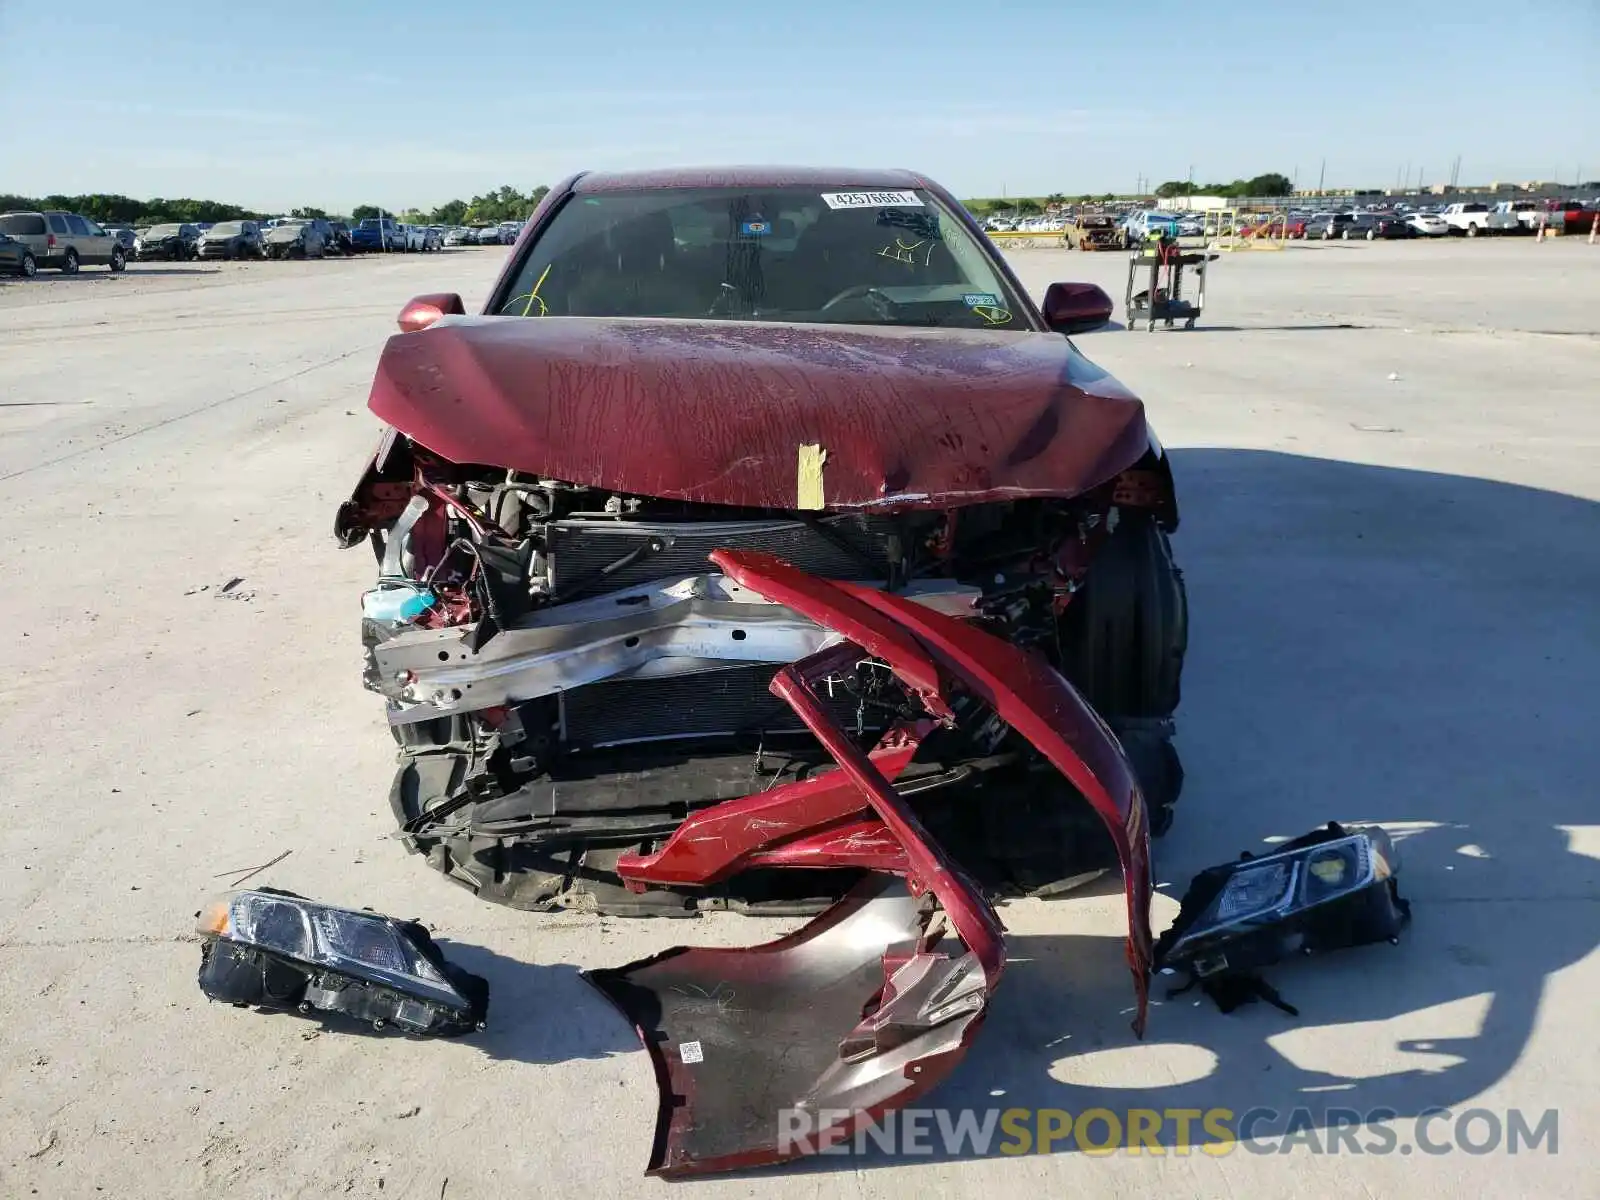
(503, 204)
(1270, 184)
(508, 204)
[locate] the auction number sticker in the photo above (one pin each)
(870, 199)
(691, 1052)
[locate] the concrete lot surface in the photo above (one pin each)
(1386, 458)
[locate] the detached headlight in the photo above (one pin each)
(1324, 891)
(280, 950)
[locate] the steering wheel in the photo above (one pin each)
(869, 292)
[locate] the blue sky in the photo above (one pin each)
(404, 103)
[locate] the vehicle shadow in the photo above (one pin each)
(520, 994)
(1368, 645)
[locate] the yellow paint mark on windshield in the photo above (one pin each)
(906, 252)
(992, 314)
(808, 473)
(533, 297)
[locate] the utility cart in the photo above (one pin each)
(1160, 264)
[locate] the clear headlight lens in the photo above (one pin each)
(1276, 885)
(1255, 890)
(364, 944)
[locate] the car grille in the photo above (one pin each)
(730, 700)
(840, 547)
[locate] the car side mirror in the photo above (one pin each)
(423, 311)
(1076, 307)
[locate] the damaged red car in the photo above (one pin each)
(762, 545)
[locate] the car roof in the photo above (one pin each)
(746, 177)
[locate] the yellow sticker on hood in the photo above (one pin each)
(808, 474)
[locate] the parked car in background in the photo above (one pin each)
(378, 233)
(308, 238)
(340, 241)
(1272, 227)
(231, 240)
(1428, 224)
(509, 231)
(1141, 225)
(1574, 216)
(455, 237)
(1473, 219)
(436, 236)
(1328, 225)
(488, 235)
(171, 242)
(16, 258)
(64, 240)
(125, 237)
(1372, 226)
(1527, 213)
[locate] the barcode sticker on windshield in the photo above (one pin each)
(870, 199)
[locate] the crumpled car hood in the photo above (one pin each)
(763, 414)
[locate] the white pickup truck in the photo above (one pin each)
(1527, 212)
(1475, 219)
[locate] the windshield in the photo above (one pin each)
(370, 223)
(227, 229)
(161, 231)
(778, 254)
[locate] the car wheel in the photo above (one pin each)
(1371, 234)
(69, 264)
(1344, 236)
(118, 260)
(28, 268)
(1472, 231)
(1122, 643)
(1124, 635)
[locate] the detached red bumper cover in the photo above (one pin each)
(768, 1053)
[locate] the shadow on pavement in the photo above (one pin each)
(540, 1012)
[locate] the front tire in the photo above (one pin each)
(119, 261)
(1124, 635)
(1472, 231)
(1122, 643)
(69, 264)
(29, 267)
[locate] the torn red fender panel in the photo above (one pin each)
(767, 1053)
